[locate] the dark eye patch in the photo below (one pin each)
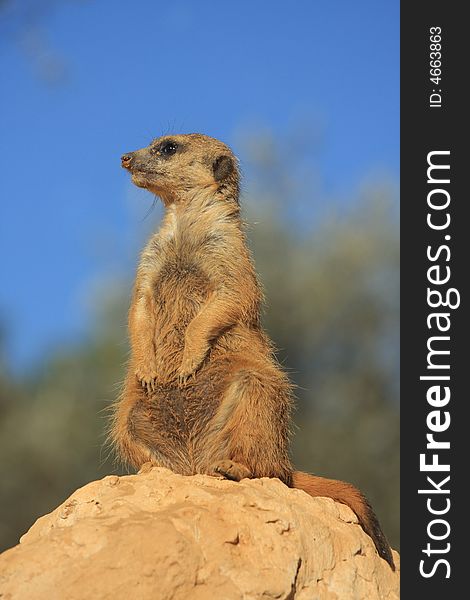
(168, 147)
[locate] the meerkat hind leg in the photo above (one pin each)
(248, 434)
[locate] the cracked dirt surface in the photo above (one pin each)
(158, 535)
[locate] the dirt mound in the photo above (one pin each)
(158, 535)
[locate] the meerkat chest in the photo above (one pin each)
(181, 259)
(181, 284)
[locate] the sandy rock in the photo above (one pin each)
(158, 535)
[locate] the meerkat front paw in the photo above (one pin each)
(231, 470)
(187, 371)
(147, 378)
(189, 365)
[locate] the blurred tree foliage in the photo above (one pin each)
(332, 291)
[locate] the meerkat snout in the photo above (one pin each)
(126, 160)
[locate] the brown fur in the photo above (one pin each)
(204, 392)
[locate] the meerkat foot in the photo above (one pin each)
(231, 470)
(146, 467)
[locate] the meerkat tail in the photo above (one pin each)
(346, 493)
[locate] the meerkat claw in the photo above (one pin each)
(148, 382)
(185, 378)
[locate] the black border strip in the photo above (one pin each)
(433, 124)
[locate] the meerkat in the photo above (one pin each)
(204, 392)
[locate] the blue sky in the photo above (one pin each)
(134, 70)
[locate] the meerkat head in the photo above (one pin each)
(175, 167)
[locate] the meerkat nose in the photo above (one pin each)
(126, 159)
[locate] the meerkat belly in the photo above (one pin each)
(177, 411)
(174, 420)
(179, 415)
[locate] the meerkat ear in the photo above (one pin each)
(222, 167)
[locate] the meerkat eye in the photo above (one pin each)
(168, 148)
